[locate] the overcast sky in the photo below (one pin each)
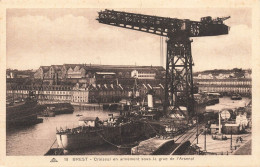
(38, 37)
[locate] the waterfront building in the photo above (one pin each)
(80, 94)
(228, 86)
(44, 93)
(54, 93)
(83, 93)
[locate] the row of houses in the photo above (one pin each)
(82, 93)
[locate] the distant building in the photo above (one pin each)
(73, 71)
(143, 74)
(89, 71)
(12, 74)
(205, 76)
(248, 74)
(223, 74)
(42, 72)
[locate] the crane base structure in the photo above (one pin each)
(178, 80)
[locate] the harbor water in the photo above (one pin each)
(37, 139)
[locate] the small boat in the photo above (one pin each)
(236, 97)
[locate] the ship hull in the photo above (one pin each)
(85, 140)
(124, 134)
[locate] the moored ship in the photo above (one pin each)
(236, 97)
(93, 132)
(23, 112)
(50, 110)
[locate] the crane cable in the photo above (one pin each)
(153, 129)
(161, 50)
(118, 146)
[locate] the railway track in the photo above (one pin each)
(188, 135)
(181, 142)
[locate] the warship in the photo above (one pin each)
(116, 131)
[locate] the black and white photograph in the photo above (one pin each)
(129, 82)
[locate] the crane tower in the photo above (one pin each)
(179, 62)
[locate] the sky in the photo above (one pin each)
(42, 37)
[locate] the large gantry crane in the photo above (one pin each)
(179, 62)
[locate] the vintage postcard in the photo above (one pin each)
(140, 83)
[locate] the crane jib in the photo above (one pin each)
(164, 26)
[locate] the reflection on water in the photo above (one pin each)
(37, 139)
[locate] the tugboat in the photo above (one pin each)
(23, 112)
(236, 97)
(213, 98)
